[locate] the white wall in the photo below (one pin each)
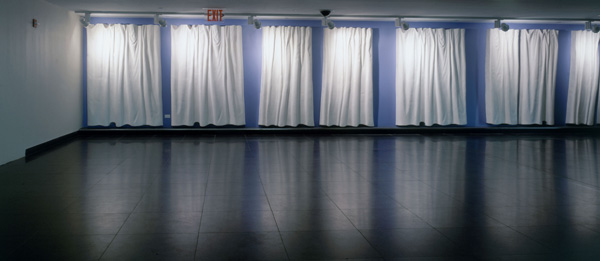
(40, 75)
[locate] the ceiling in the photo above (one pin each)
(564, 9)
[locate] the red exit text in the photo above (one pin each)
(214, 15)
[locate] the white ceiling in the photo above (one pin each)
(569, 9)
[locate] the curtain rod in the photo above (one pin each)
(342, 17)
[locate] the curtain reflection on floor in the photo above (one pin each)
(582, 171)
(582, 160)
(285, 160)
(439, 165)
(342, 162)
(520, 192)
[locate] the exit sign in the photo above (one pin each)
(214, 15)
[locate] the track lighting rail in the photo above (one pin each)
(343, 17)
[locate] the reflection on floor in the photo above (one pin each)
(370, 197)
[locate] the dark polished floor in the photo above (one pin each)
(367, 197)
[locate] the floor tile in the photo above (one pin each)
(350, 201)
(489, 241)
(64, 247)
(152, 247)
(235, 203)
(381, 218)
(410, 242)
(237, 221)
(166, 203)
(105, 204)
(312, 220)
(565, 241)
(300, 202)
(83, 223)
(328, 245)
(163, 222)
(240, 246)
(455, 217)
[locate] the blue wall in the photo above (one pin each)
(384, 64)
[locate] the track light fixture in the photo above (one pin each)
(326, 21)
(330, 24)
(159, 21)
(253, 21)
(85, 19)
(500, 25)
(400, 23)
(594, 28)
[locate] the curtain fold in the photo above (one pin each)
(207, 75)
(583, 79)
(286, 93)
(502, 76)
(538, 58)
(430, 77)
(347, 87)
(124, 75)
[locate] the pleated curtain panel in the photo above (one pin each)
(583, 79)
(520, 76)
(538, 60)
(430, 77)
(124, 75)
(286, 92)
(207, 75)
(347, 87)
(502, 76)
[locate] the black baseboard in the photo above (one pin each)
(339, 131)
(36, 150)
(48, 145)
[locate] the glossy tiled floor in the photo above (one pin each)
(368, 197)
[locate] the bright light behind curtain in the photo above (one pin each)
(583, 78)
(124, 75)
(347, 89)
(430, 76)
(502, 76)
(286, 92)
(207, 75)
(539, 54)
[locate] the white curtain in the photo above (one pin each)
(583, 78)
(502, 76)
(430, 76)
(347, 89)
(286, 92)
(207, 75)
(539, 52)
(124, 75)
